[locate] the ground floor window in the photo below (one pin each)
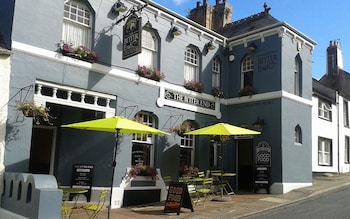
(347, 149)
(324, 151)
(140, 154)
(186, 148)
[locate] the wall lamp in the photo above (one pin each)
(252, 47)
(259, 125)
(176, 31)
(119, 7)
(210, 46)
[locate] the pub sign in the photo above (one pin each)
(132, 36)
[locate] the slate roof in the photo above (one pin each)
(248, 24)
(323, 91)
(338, 82)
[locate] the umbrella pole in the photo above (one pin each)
(113, 169)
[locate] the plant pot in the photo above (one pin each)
(29, 113)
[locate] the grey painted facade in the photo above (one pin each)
(36, 60)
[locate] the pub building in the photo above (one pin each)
(147, 63)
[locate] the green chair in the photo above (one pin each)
(66, 210)
(204, 189)
(93, 209)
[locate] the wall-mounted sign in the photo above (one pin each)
(82, 177)
(132, 36)
(170, 95)
(267, 61)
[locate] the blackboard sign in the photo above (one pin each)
(82, 177)
(177, 197)
(262, 176)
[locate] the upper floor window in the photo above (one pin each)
(298, 135)
(346, 113)
(216, 69)
(324, 110)
(247, 68)
(149, 55)
(191, 71)
(77, 24)
(324, 151)
(297, 76)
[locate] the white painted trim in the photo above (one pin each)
(281, 188)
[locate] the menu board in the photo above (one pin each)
(82, 177)
(177, 197)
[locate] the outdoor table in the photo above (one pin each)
(224, 181)
(76, 192)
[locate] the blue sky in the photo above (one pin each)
(320, 20)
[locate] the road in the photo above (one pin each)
(333, 205)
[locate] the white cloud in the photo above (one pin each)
(179, 2)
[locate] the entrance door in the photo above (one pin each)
(245, 165)
(42, 150)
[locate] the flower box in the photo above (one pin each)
(150, 73)
(141, 181)
(81, 52)
(194, 86)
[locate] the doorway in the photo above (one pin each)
(42, 150)
(245, 165)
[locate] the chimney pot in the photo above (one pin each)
(198, 4)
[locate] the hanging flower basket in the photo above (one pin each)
(180, 130)
(150, 73)
(30, 110)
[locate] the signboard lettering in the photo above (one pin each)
(132, 36)
(82, 177)
(170, 95)
(177, 197)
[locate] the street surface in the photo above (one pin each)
(334, 205)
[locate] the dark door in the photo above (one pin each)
(41, 150)
(245, 165)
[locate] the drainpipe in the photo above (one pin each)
(338, 129)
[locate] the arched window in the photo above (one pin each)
(142, 144)
(29, 193)
(149, 55)
(297, 76)
(216, 69)
(247, 69)
(77, 24)
(298, 135)
(191, 71)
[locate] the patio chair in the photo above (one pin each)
(204, 189)
(66, 210)
(93, 209)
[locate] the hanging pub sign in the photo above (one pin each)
(132, 36)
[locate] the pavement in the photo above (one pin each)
(239, 205)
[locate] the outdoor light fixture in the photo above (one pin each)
(210, 46)
(120, 7)
(252, 47)
(259, 125)
(148, 25)
(176, 31)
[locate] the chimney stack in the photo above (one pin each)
(334, 58)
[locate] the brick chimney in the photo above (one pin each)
(212, 17)
(334, 58)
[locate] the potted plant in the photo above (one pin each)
(30, 109)
(194, 86)
(80, 52)
(186, 170)
(142, 170)
(150, 73)
(246, 91)
(217, 92)
(181, 129)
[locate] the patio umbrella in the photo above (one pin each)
(222, 129)
(115, 124)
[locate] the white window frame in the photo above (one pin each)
(347, 150)
(191, 65)
(149, 55)
(247, 67)
(148, 139)
(77, 24)
(324, 110)
(216, 69)
(324, 151)
(346, 113)
(297, 77)
(187, 142)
